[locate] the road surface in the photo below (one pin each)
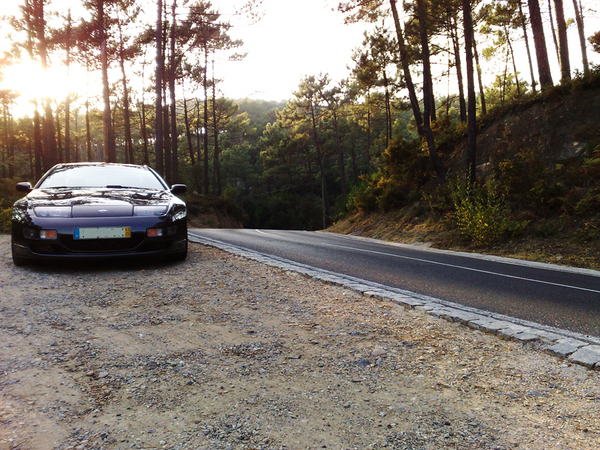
(550, 295)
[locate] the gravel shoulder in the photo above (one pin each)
(220, 352)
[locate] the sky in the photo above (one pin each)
(293, 40)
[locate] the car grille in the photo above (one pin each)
(101, 245)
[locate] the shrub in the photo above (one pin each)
(482, 214)
(363, 198)
(5, 220)
(230, 193)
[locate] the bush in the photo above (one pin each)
(5, 220)
(363, 198)
(230, 193)
(482, 214)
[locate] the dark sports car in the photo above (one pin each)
(99, 210)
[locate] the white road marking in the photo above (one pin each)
(410, 258)
(426, 261)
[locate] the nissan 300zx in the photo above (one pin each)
(99, 210)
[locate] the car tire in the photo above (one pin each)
(17, 260)
(181, 256)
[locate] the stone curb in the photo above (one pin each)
(574, 347)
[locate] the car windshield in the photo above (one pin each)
(101, 176)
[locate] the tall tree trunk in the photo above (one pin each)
(459, 74)
(504, 81)
(472, 100)
(68, 99)
(31, 159)
(167, 137)
(188, 133)
(216, 164)
(205, 127)
(388, 110)
(11, 146)
(88, 131)
(368, 152)
(412, 93)
(172, 76)
(38, 23)
(144, 131)
(405, 65)
(159, 131)
(110, 150)
(76, 156)
(563, 43)
(340, 154)
(320, 158)
(143, 124)
(479, 79)
(7, 158)
(540, 44)
(198, 122)
(353, 155)
(38, 145)
(58, 137)
(428, 94)
(514, 63)
(30, 8)
(526, 36)
(126, 105)
(4, 148)
(581, 32)
(198, 173)
(551, 16)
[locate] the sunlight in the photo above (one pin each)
(29, 80)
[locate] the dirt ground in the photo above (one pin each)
(220, 352)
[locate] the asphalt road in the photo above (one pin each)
(550, 295)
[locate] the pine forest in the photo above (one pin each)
(402, 129)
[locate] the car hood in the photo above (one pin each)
(109, 198)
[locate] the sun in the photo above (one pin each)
(31, 82)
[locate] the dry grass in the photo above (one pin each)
(567, 248)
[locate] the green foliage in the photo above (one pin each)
(482, 214)
(595, 41)
(363, 198)
(202, 204)
(546, 228)
(229, 193)
(589, 203)
(398, 184)
(284, 211)
(529, 184)
(8, 195)
(5, 220)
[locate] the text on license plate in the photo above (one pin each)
(102, 233)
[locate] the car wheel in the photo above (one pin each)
(181, 256)
(17, 260)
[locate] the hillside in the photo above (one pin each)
(541, 158)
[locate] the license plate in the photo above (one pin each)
(102, 233)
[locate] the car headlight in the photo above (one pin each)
(150, 210)
(179, 214)
(52, 211)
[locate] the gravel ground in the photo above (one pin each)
(220, 352)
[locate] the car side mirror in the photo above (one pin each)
(24, 186)
(177, 189)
